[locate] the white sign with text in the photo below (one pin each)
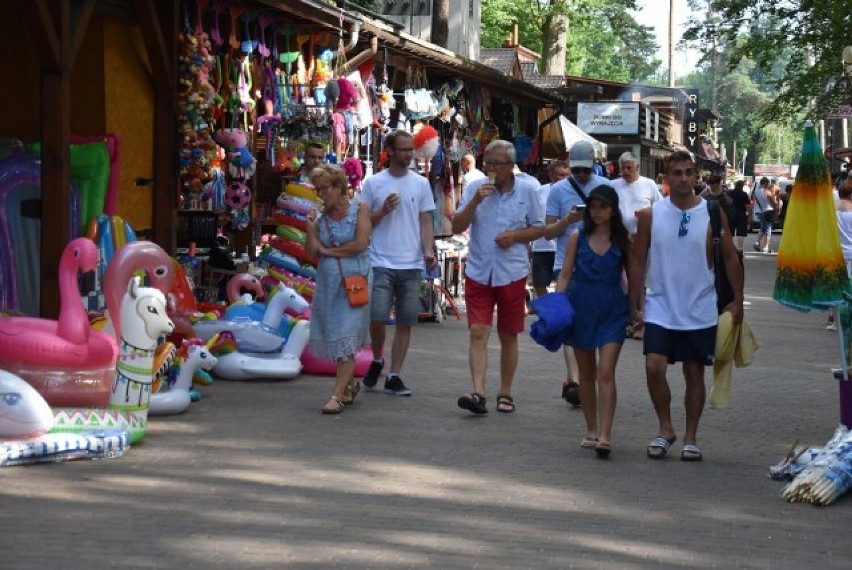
(615, 118)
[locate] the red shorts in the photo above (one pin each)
(510, 300)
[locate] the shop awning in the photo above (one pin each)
(558, 136)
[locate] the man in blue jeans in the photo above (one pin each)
(400, 203)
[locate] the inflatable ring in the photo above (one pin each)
(293, 248)
(302, 191)
(288, 218)
(292, 233)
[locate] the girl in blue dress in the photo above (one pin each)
(339, 237)
(596, 257)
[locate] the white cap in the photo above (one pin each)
(581, 155)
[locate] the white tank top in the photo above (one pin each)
(681, 287)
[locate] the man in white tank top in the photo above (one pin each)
(674, 241)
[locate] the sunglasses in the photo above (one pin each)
(580, 170)
(684, 228)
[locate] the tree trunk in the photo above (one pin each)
(554, 38)
(440, 22)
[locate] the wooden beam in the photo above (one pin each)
(55, 158)
(49, 46)
(159, 22)
(152, 20)
(81, 15)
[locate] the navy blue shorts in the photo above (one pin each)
(681, 346)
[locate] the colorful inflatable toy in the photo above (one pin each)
(313, 365)
(174, 397)
(24, 419)
(284, 364)
(23, 412)
(65, 361)
(127, 261)
(251, 334)
(144, 321)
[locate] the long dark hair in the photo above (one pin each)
(617, 231)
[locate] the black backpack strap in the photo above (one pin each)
(579, 192)
(715, 223)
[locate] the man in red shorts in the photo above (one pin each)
(504, 215)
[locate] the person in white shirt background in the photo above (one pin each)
(469, 172)
(635, 192)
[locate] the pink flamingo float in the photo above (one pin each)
(65, 361)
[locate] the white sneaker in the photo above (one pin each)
(831, 327)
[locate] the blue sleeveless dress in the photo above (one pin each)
(601, 309)
(338, 330)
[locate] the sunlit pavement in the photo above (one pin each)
(254, 476)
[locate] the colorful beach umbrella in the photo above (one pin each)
(811, 270)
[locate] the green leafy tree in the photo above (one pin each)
(810, 33)
(741, 102)
(603, 39)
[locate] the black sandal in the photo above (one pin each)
(505, 403)
(474, 403)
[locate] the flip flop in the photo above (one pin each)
(690, 452)
(661, 443)
(603, 450)
(589, 442)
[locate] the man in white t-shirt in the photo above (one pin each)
(635, 192)
(544, 250)
(401, 205)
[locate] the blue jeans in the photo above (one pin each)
(398, 289)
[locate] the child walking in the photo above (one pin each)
(596, 257)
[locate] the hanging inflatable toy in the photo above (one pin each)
(64, 360)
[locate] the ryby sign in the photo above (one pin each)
(690, 123)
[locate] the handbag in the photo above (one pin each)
(356, 286)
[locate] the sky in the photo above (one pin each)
(655, 13)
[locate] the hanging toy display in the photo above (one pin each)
(237, 200)
(241, 163)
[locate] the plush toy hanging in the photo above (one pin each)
(426, 144)
(354, 172)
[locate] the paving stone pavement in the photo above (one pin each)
(254, 476)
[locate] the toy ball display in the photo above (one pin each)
(237, 195)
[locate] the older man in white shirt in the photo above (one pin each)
(635, 192)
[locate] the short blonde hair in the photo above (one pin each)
(331, 174)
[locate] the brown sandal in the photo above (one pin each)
(334, 406)
(350, 393)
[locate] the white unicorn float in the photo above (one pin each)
(143, 321)
(174, 397)
(236, 362)
(252, 335)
